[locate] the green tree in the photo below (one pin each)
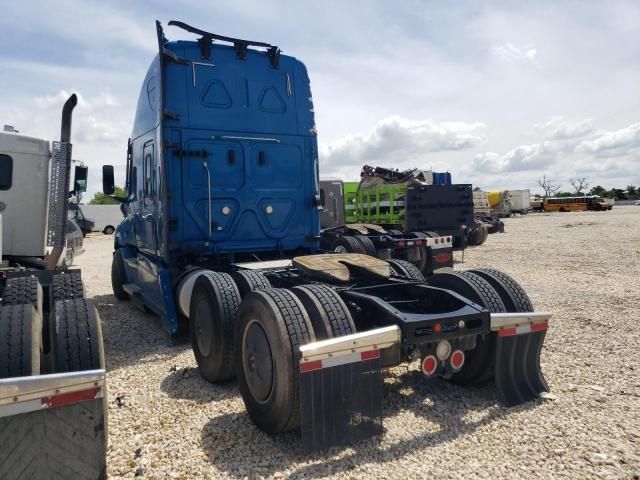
(102, 199)
(618, 194)
(632, 190)
(598, 190)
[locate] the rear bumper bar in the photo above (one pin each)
(28, 394)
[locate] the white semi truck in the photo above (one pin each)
(52, 370)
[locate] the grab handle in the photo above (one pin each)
(206, 167)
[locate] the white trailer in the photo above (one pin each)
(520, 201)
(105, 217)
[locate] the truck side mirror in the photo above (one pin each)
(80, 179)
(108, 182)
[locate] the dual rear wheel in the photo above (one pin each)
(257, 340)
(497, 292)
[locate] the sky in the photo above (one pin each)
(497, 93)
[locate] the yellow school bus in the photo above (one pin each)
(575, 204)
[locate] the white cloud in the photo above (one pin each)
(558, 128)
(509, 51)
(399, 142)
(605, 157)
(524, 157)
(618, 143)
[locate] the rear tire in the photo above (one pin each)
(118, 276)
(408, 270)
(20, 332)
(513, 296)
(249, 280)
(213, 308)
(21, 290)
(67, 286)
(328, 314)
(347, 244)
(272, 325)
(77, 338)
(368, 245)
(109, 230)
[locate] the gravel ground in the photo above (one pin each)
(166, 422)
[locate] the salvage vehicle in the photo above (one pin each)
(428, 251)
(52, 371)
(222, 234)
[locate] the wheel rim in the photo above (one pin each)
(340, 249)
(204, 327)
(257, 361)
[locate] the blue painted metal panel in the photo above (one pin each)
(248, 130)
(441, 178)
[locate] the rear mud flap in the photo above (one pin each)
(342, 404)
(518, 376)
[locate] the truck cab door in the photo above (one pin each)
(145, 223)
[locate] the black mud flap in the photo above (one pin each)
(340, 405)
(518, 376)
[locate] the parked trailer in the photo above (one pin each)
(500, 203)
(52, 377)
(520, 201)
(428, 251)
(105, 217)
(409, 202)
(236, 253)
(482, 213)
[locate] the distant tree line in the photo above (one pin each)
(102, 199)
(581, 186)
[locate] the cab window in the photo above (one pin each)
(6, 172)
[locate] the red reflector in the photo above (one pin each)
(419, 242)
(400, 243)
(437, 328)
(506, 332)
(457, 359)
(536, 327)
(442, 257)
(370, 355)
(310, 366)
(429, 365)
(70, 398)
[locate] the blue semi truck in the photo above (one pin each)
(222, 234)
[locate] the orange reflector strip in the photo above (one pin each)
(507, 332)
(530, 328)
(536, 327)
(70, 398)
(442, 257)
(370, 355)
(310, 366)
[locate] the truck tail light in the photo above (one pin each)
(429, 365)
(457, 360)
